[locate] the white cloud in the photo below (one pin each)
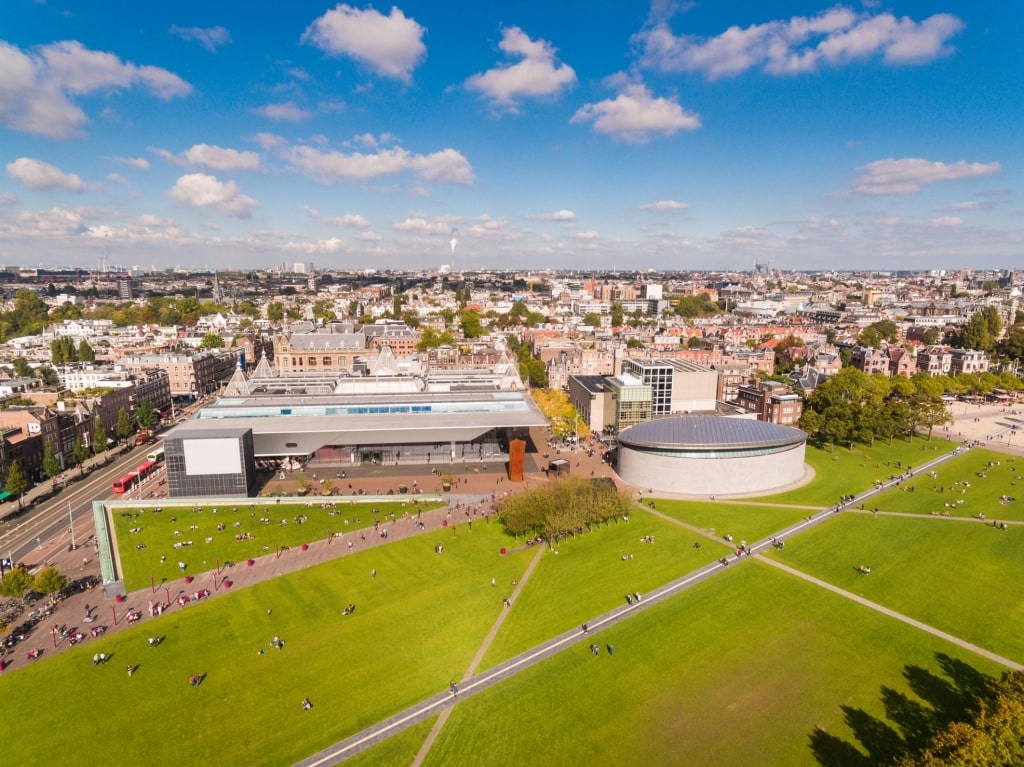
(217, 158)
(37, 174)
(56, 222)
(353, 220)
(536, 75)
(971, 205)
(586, 235)
(946, 221)
(208, 37)
(665, 205)
(634, 115)
(422, 226)
(139, 163)
(314, 247)
(799, 44)
(288, 111)
(558, 215)
(200, 191)
(331, 166)
(8, 198)
(390, 45)
(116, 178)
(37, 88)
(908, 175)
(270, 142)
(369, 237)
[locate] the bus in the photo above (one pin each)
(132, 479)
(156, 456)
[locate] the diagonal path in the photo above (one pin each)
(472, 685)
(477, 659)
(897, 616)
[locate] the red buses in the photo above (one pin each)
(131, 480)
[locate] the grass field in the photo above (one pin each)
(841, 470)
(147, 537)
(958, 576)
(752, 662)
(979, 481)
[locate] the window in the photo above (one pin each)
(311, 361)
(327, 361)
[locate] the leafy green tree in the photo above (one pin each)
(21, 368)
(323, 309)
(62, 350)
(592, 319)
(431, 338)
(211, 341)
(49, 581)
(99, 437)
(877, 332)
(16, 582)
(85, 352)
(982, 330)
(930, 337)
(469, 319)
(146, 416)
(695, 306)
(634, 343)
(81, 453)
(51, 464)
(124, 427)
(617, 313)
(17, 483)
(48, 375)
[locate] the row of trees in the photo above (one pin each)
(18, 580)
(854, 407)
(63, 351)
(18, 482)
(563, 508)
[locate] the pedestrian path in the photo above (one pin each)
(477, 659)
(897, 615)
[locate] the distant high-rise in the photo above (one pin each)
(125, 289)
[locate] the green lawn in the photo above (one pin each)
(959, 576)
(741, 670)
(417, 624)
(752, 662)
(743, 520)
(979, 481)
(840, 470)
(231, 533)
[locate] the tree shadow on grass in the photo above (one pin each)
(910, 722)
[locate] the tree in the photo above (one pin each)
(16, 582)
(17, 482)
(85, 352)
(471, 325)
(617, 314)
(982, 330)
(211, 341)
(62, 350)
(146, 416)
(21, 368)
(81, 453)
(49, 581)
(99, 437)
(124, 427)
(592, 319)
(51, 465)
(275, 311)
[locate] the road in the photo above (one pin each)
(43, 528)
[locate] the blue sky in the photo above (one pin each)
(608, 135)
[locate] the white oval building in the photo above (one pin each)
(711, 455)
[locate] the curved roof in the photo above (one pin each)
(709, 433)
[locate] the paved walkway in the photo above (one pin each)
(897, 615)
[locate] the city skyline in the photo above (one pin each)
(672, 135)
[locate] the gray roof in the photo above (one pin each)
(709, 432)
